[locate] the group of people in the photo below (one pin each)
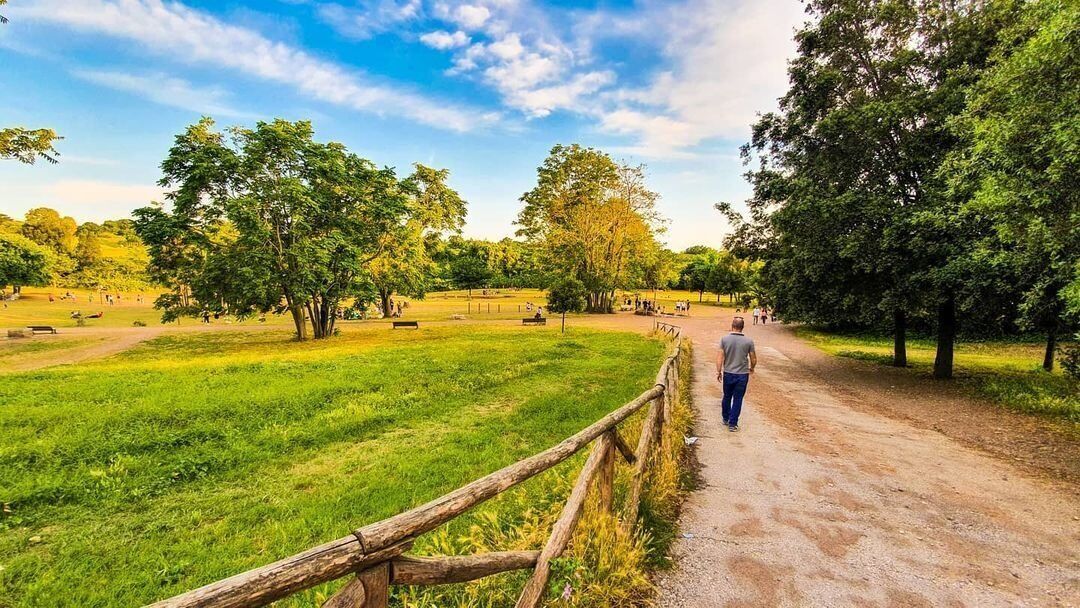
(761, 313)
(106, 298)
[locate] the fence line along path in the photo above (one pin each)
(374, 555)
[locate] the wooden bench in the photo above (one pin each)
(41, 329)
(412, 324)
(534, 321)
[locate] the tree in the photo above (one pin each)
(469, 268)
(589, 216)
(1020, 168)
(725, 275)
(269, 220)
(27, 145)
(566, 295)
(405, 264)
(47, 227)
(849, 211)
(23, 262)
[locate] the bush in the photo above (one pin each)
(138, 323)
(1070, 358)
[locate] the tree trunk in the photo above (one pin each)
(564, 322)
(1051, 346)
(384, 300)
(297, 312)
(899, 338)
(700, 294)
(946, 338)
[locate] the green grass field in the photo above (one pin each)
(1009, 373)
(34, 308)
(193, 457)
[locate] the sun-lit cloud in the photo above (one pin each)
(166, 90)
(180, 33)
(84, 199)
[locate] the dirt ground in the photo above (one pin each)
(852, 485)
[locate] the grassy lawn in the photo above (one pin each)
(193, 457)
(34, 308)
(1009, 373)
(15, 350)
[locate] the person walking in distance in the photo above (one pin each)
(757, 314)
(735, 361)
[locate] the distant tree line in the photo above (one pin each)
(46, 248)
(922, 171)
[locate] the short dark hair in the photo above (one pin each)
(737, 323)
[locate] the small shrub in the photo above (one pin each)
(1070, 358)
(138, 323)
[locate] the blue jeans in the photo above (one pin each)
(734, 389)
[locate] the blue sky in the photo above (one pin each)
(481, 87)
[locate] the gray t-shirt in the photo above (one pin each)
(737, 349)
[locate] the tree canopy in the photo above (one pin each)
(268, 219)
(590, 217)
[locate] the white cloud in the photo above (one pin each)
(166, 90)
(444, 41)
(181, 33)
(369, 17)
(470, 16)
(727, 63)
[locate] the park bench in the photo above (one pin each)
(534, 321)
(41, 329)
(412, 324)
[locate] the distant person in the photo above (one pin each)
(757, 314)
(735, 361)
(764, 316)
(206, 316)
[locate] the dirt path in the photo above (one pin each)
(822, 499)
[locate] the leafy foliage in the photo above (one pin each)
(590, 217)
(23, 262)
(269, 219)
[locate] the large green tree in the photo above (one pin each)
(405, 264)
(1021, 166)
(268, 219)
(590, 216)
(23, 262)
(848, 209)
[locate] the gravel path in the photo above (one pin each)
(822, 501)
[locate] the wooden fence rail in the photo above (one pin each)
(375, 552)
(666, 328)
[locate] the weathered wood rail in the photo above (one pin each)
(666, 328)
(375, 554)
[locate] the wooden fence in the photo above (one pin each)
(666, 328)
(374, 555)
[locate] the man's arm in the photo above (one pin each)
(719, 363)
(753, 361)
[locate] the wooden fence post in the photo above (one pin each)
(648, 430)
(370, 589)
(533, 593)
(605, 484)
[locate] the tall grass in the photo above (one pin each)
(605, 566)
(193, 457)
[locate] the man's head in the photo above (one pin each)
(737, 324)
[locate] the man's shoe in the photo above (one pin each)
(734, 428)
(725, 422)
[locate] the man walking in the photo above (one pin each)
(735, 361)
